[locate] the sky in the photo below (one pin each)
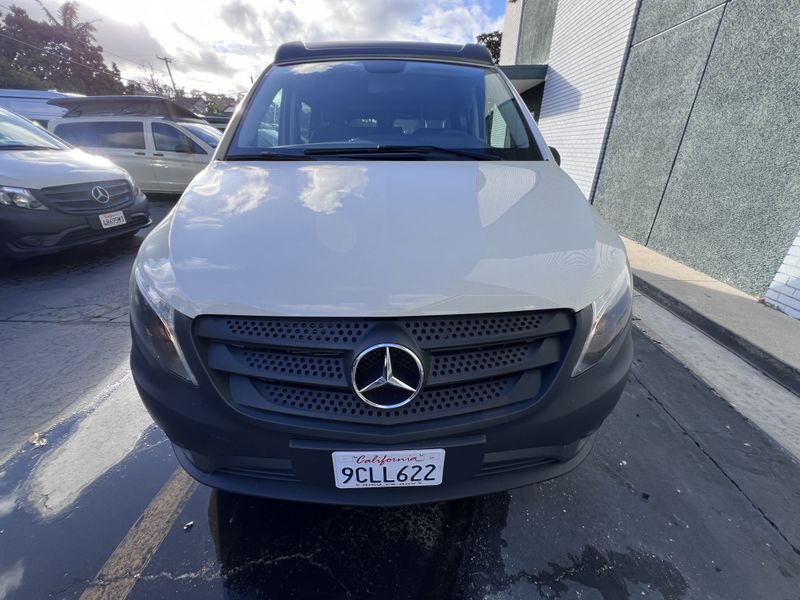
(219, 46)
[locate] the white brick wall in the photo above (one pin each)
(590, 42)
(508, 47)
(784, 291)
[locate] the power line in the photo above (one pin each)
(104, 51)
(95, 70)
(64, 58)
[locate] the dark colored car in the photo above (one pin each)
(54, 197)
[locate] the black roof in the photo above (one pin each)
(299, 52)
(148, 106)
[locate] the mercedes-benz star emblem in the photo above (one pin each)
(100, 194)
(387, 376)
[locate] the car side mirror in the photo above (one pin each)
(184, 148)
(556, 155)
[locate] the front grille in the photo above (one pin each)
(286, 475)
(510, 466)
(76, 199)
(302, 367)
(87, 234)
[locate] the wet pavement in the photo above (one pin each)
(681, 498)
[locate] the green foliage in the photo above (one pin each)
(59, 53)
(11, 77)
(492, 41)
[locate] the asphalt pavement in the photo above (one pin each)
(682, 497)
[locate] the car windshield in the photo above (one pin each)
(17, 133)
(359, 108)
(207, 133)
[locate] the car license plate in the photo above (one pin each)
(397, 468)
(112, 219)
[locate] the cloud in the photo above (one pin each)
(219, 47)
(202, 58)
(242, 18)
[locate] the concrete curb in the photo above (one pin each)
(770, 365)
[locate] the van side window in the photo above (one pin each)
(169, 139)
(126, 135)
(267, 132)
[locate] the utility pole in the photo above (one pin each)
(168, 60)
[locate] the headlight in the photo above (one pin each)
(19, 197)
(154, 320)
(135, 190)
(612, 311)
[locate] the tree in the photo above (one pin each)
(492, 41)
(68, 20)
(60, 52)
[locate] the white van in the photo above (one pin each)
(162, 155)
(383, 290)
(33, 104)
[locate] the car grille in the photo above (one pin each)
(76, 199)
(302, 366)
(88, 234)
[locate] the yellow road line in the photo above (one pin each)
(123, 568)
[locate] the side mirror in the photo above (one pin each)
(556, 155)
(184, 148)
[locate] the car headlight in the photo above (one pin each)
(19, 197)
(611, 313)
(154, 320)
(135, 190)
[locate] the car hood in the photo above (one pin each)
(381, 238)
(37, 169)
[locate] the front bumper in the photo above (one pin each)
(25, 233)
(290, 458)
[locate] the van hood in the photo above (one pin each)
(381, 238)
(37, 169)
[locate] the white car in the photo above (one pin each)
(162, 155)
(383, 290)
(53, 196)
(34, 105)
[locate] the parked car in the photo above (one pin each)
(162, 153)
(218, 121)
(398, 298)
(53, 196)
(34, 104)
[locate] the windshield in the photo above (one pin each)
(391, 105)
(17, 133)
(207, 133)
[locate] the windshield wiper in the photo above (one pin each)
(380, 149)
(270, 155)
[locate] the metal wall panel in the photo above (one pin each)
(588, 50)
(511, 21)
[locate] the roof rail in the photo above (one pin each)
(299, 52)
(127, 106)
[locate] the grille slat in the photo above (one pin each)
(345, 406)
(278, 365)
(77, 198)
(302, 367)
(452, 367)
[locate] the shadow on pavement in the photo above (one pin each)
(297, 550)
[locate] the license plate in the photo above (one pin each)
(397, 468)
(112, 219)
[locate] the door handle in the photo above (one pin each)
(139, 153)
(158, 154)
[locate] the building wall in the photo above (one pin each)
(589, 43)
(701, 160)
(784, 291)
(536, 31)
(511, 23)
